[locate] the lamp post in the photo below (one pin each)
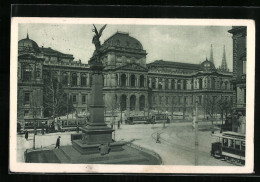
(196, 134)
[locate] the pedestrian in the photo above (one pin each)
(26, 135)
(158, 138)
(118, 124)
(43, 130)
(58, 143)
(77, 128)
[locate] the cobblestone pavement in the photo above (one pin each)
(176, 147)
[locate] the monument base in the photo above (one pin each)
(84, 148)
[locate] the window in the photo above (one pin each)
(74, 99)
(231, 143)
(225, 142)
(26, 98)
(160, 84)
(244, 66)
(213, 83)
(83, 80)
(142, 81)
(184, 84)
(118, 43)
(74, 79)
(26, 113)
(65, 79)
(226, 84)
(153, 83)
(200, 83)
(27, 73)
(166, 84)
(237, 144)
(38, 73)
(179, 85)
(83, 99)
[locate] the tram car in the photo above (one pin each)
(70, 124)
(230, 146)
(160, 118)
(138, 120)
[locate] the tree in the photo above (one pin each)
(56, 101)
(224, 107)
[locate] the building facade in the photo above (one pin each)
(130, 84)
(239, 78)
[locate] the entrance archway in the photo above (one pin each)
(142, 102)
(132, 102)
(123, 102)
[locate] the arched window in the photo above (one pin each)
(65, 78)
(83, 80)
(184, 85)
(38, 73)
(132, 80)
(118, 43)
(160, 83)
(142, 81)
(173, 84)
(166, 81)
(226, 85)
(142, 102)
(123, 102)
(27, 73)
(123, 80)
(74, 79)
(200, 83)
(179, 85)
(153, 83)
(132, 102)
(213, 83)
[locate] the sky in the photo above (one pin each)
(188, 44)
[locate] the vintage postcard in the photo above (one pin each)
(101, 95)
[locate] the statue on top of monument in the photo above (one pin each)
(97, 35)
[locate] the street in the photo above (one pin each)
(176, 145)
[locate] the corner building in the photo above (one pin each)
(129, 83)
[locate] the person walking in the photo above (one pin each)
(58, 143)
(26, 135)
(118, 124)
(158, 138)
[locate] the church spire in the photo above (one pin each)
(224, 62)
(27, 35)
(211, 55)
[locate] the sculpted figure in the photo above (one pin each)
(95, 39)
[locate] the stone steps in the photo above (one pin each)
(60, 155)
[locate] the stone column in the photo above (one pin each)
(118, 79)
(163, 86)
(170, 84)
(88, 80)
(59, 76)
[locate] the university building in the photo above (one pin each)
(130, 84)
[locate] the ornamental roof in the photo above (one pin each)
(171, 64)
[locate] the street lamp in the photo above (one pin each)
(196, 134)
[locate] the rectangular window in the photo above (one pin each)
(83, 99)
(74, 99)
(26, 98)
(26, 113)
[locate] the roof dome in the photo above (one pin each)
(207, 65)
(121, 39)
(28, 44)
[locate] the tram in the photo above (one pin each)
(138, 120)
(160, 118)
(230, 146)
